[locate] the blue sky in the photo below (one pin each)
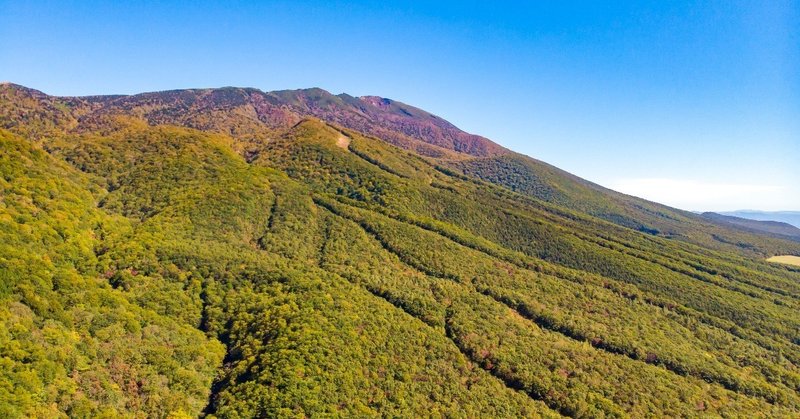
(694, 104)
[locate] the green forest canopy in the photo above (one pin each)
(212, 264)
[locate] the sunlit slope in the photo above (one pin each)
(238, 270)
(537, 179)
(789, 260)
(253, 117)
(71, 342)
(190, 253)
(703, 308)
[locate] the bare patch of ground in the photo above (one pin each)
(789, 260)
(343, 142)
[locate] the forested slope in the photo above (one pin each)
(212, 261)
(774, 228)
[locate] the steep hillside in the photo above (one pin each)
(542, 181)
(389, 120)
(72, 341)
(253, 117)
(192, 253)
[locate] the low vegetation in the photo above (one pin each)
(252, 270)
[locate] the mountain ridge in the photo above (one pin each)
(356, 111)
(254, 116)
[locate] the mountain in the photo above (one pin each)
(253, 117)
(788, 217)
(771, 227)
(237, 253)
(392, 121)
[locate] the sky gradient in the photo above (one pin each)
(693, 104)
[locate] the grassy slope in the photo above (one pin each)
(789, 260)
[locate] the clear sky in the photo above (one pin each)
(693, 104)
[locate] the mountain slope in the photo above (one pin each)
(789, 217)
(392, 121)
(542, 181)
(70, 342)
(252, 117)
(294, 273)
(771, 227)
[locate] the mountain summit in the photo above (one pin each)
(238, 253)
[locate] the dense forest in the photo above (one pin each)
(236, 253)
